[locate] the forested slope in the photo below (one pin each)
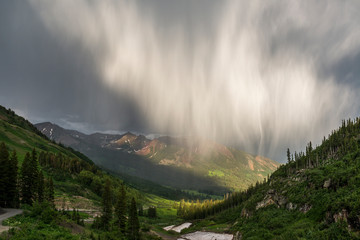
(314, 196)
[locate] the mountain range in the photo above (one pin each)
(204, 166)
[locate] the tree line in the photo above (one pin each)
(25, 185)
(117, 215)
(340, 142)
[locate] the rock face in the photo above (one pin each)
(245, 213)
(291, 206)
(238, 236)
(272, 197)
(343, 215)
(327, 183)
(305, 208)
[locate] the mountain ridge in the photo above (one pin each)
(213, 162)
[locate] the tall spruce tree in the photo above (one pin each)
(107, 205)
(288, 155)
(133, 222)
(120, 210)
(49, 191)
(4, 174)
(29, 177)
(40, 187)
(13, 196)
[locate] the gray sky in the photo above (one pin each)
(259, 76)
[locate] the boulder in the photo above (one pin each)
(291, 206)
(327, 183)
(343, 215)
(305, 208)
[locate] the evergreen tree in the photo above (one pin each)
(141, 210)
(4, 174)
(107, 205)
(29, 177)
(49, 191)
(40, 187)
(152, 212)
(13, 196)
(120, 210)
(288, 155)
(133, 222)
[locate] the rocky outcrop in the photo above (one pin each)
(272, 197)
(305, 208)
(343, 215)
(291, 206)
(245, 213)
(327, 183)
(237, 236)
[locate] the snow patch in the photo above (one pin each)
(178, 228)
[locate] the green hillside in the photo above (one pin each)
(315, 196)
(167, 161)
(78, 184)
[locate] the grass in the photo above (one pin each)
(216, 173)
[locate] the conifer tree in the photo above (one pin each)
(13, 196)
(40, 187)
(49, 191)
(141, 210)
(120, 210)
(133, 222)
(4, 174)
(107, 205)
(288, 155)
(152, 212)
(29, 177)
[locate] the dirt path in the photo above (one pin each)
(9, 212)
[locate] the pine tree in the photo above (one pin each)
(4, 174)
(141, 211)
(120, 210)
(49, 191)
(107, 205)
(133, 222)
(288, 155)
(13, 195)
(152, 212)
(29, 177)
(40, 187)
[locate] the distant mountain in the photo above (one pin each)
(204, 166)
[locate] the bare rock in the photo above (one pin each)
(327, 183)
(265, 203)
(245, 213)
(305, 208)
(343, 215)
(237, 236)
(271, 192)
(291, 206)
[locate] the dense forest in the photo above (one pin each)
(32, 179)
(28, 186)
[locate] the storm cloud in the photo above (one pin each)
(261, 76)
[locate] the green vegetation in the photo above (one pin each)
(217, 173)
(49, 177)
(314, 196)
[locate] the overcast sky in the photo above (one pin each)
(260, 76)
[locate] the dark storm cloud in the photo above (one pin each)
(183, 55)
(46, 79)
